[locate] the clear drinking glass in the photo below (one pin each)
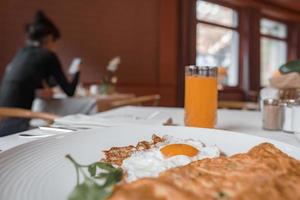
(201, 96)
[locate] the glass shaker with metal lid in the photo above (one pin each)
(288, 114)
(272, 114)
(296, 119)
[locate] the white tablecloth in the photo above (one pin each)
(248, 122)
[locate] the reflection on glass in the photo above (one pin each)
(273, 28)
(215, 13)
(218, 46)
(273, 54)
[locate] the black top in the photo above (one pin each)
(30, 67)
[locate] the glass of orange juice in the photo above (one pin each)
(201, 96)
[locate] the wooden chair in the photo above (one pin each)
(24, 113)
(152, 100)
(239, 105)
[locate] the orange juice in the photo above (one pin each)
(200, 101)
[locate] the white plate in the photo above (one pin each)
(39, 171)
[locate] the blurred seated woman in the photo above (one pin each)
(34, 65)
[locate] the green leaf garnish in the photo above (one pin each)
(90, 189)
(92, 169)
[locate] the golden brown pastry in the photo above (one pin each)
(263, 173)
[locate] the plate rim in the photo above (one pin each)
(70, 134)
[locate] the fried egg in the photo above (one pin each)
(173, 152)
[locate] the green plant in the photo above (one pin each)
(99, 184)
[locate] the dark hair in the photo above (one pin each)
(41, 27)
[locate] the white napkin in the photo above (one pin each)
(82, 120)
(107, 120)
(75, 66)
(113, 64)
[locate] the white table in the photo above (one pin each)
(248, 122)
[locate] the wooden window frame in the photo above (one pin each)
(249, 15)
(291, 38)
(264, 16)
(228, 92)
(286, 39)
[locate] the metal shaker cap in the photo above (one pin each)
(290, 102)
(273, 102)
(201, 70)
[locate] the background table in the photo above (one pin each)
(73, 105)
(248, 122)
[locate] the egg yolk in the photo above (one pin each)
(179, 149)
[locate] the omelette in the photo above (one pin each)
(264, 172)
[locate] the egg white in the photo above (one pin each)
(151, 163)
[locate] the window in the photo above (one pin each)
(273, 48)
(248, 40)
(217, 39)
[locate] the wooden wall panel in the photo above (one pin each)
(169, 52)
(144, 33)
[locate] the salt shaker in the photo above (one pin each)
(272, 114)
(296, 119)
(288, 115)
